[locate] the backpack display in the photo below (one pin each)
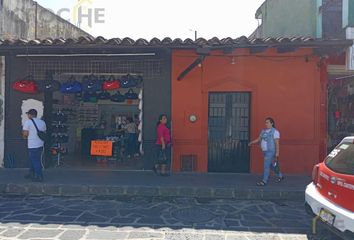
(104, 95)
(131, 94)
(27, 85)
(111, 84)
(48, 86)
(91, 83)
(129, 81)
(117, 97)
(71, 86)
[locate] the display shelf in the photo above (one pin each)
(125, 103)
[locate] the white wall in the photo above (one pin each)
(17, 20)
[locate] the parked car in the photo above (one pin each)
(330, 196)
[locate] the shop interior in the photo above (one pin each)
(340, 108)
(80, 117)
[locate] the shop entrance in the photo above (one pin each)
(340, 108)
(229, 132)
(94, 114)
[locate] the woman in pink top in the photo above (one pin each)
(163, 147)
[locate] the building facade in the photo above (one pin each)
(326, 19)
(217, 94)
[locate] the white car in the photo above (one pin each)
(330, 196)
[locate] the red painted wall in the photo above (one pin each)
(284, 86)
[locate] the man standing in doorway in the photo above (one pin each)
(35, 145)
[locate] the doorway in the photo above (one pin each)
(228, 132)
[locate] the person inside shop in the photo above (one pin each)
(131, 131)
(35, 145)
(269, 138)
(137, 145)
(163, 147)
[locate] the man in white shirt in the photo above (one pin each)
(35, 144)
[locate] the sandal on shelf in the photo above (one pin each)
(261, 184)
(279, 179)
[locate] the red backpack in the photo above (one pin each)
(25, 86)
(111, 84)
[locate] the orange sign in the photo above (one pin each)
(101, 148)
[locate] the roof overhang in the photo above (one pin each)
(99, 45)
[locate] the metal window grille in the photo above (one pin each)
(188, 163)
(150, 68)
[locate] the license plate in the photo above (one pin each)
(327, 216)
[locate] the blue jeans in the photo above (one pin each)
(132, 137)
(268, 159)
(35, 157)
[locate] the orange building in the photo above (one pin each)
(221, 97)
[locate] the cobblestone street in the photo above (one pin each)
(152, 218)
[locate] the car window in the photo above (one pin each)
(341, 159)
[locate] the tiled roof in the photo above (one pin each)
(166, 42)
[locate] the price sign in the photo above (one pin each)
(101, 148)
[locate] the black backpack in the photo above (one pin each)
(41, 134)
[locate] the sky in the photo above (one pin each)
(161, 18)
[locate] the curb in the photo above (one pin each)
(149, 191)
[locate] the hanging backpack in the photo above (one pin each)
(131, 94)
(104, 95)
(111, 84)
(91, 84)
(117, 97)
(129, 81)
(27, 85)
(90, 97)
(71, 86)
(48, 86)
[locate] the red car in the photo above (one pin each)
(330, 196)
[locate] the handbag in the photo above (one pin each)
(41, 134)
(91, 83)
(129, 81)
(131, 94)
(71, 86)
(111, 84)
(162, 159)
(27, 85)
(90, 97)
(48, 86)
(276, 166)
(104, 95)
(117, 97)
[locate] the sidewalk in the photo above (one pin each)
(65, 182)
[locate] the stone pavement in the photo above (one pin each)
(111, 217)
(65, 182)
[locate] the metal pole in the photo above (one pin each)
(195, 35)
